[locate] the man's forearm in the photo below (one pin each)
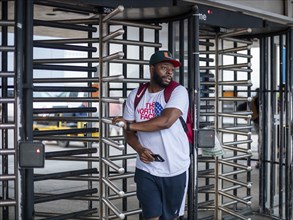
(132, 140)
(144, 153)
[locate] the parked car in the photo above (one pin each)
(62, 125)
(71, 102)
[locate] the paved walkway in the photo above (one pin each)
(58, 186)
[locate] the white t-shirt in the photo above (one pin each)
(172, 144)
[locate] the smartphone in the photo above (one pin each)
(158, 157)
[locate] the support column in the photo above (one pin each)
(27, 174)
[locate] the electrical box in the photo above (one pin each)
(31, 155)
(206, 138)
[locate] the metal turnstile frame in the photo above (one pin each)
(109, 183)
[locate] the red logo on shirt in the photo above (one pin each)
(151, 110)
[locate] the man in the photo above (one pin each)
(154, 127)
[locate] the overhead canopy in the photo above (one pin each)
(213, 14)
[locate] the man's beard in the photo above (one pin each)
(159, 80)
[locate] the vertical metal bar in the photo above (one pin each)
(281, 129)
(28, 195)
(286, 145)
(124, 162)
(195, 107)
(141, 52)
(194, 85)
(4, 64)
(19, 44)
(249, 179)
(191, 48)
(289, 71)
(170, 37)
(181, 51)
(101, 150)
(124, 66)
(235, 135)
(192, 198)
(288, 129)
(105, 112)
(90, 145)
(273, 110)
(103, 107)
(217, 213)
(157, 38)
(124, 70)
(263, 61)
(4, 84)
(141, 76)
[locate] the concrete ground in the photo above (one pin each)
(131, 186)
(55, 187)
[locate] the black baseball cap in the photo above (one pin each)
(163, 55)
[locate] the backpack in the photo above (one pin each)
(188, 125)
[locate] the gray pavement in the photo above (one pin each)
(55, 165)
(54, 187)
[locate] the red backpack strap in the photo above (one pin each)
(140, 92)
(187, 126)
(169, 89)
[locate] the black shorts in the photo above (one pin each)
(160, 196)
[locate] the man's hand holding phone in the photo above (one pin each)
(158, 158)
(148, 156)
